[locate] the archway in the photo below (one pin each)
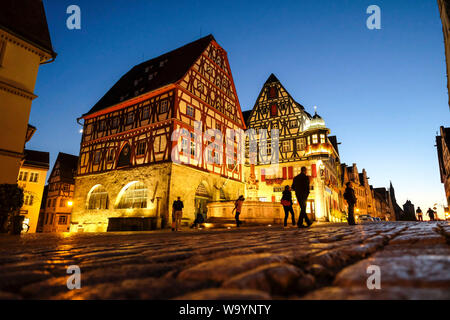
(97, 198)
(124, 156)
(132, 196)
(202, 197)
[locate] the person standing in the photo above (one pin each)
(238, 208)
(301, 187)
(430, 214)
(419, 214)
(177, 208)
(350, 197)
(286, 201)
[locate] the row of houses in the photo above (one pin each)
(132, 164)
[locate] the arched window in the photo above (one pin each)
(98, 198)
(133, 196)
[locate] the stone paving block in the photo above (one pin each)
(390, 293)
(222, 269)
(225, 294)
(146, 288)
(275, 278)
(419, 271)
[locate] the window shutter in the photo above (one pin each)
(313, 170)
(263, 175)
(284, 173)
(291, 172)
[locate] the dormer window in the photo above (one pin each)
(315, 139)
(322, 138)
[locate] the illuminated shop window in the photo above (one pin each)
(98, 198)
(135, 196)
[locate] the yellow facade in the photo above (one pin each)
(32, 181)
(19, 64)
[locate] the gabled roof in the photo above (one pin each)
(246, 115)
(154, 74)
(26, 19)
(67, 167)
(35, 158)
(334, 143)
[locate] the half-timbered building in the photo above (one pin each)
(133, 161)
(59, 201)
(302, 141)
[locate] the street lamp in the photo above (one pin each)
(70, 203)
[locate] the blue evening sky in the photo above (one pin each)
(382, 92)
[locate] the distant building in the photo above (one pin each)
(409, 213)
(398, 212)
(444, 10)
(24, 45)
(61, 186)
(31, 179)
(381, 196)
(443, 151)
(303, 141)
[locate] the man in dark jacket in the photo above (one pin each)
(177, 208)
(301, 187)
(350, 197)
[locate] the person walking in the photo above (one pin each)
(430, 214)
(301, 187)
(286, 202)
(177, 209)
(419, 214)
(199, 218)
(238, 208)
(350, 197)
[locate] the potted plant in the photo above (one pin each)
(11, 200)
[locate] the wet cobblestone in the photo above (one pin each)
(327, 261)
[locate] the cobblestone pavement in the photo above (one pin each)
(327, 261)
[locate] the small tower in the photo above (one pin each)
(317, 137)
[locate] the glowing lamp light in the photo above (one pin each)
(70, 203)
(81, 130)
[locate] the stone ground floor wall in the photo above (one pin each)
(164, 182)
(185, 181)
(254, 212)
(155, 177)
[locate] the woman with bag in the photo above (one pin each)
(286, 201)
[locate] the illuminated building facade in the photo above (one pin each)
(31, 179)
(24, 45)
(132, 165)
(59, 200)
(303, 141)
(443, 150)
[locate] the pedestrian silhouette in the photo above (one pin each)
(286, 201)
(350, 197)
(301, 187)
(238, 209)
(419, 214)
(177, 214)
(431, 214)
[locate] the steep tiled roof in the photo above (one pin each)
(26, 19)
(36, 158)
(67, 166)
(153, 74)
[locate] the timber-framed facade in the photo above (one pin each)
(131, 146)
